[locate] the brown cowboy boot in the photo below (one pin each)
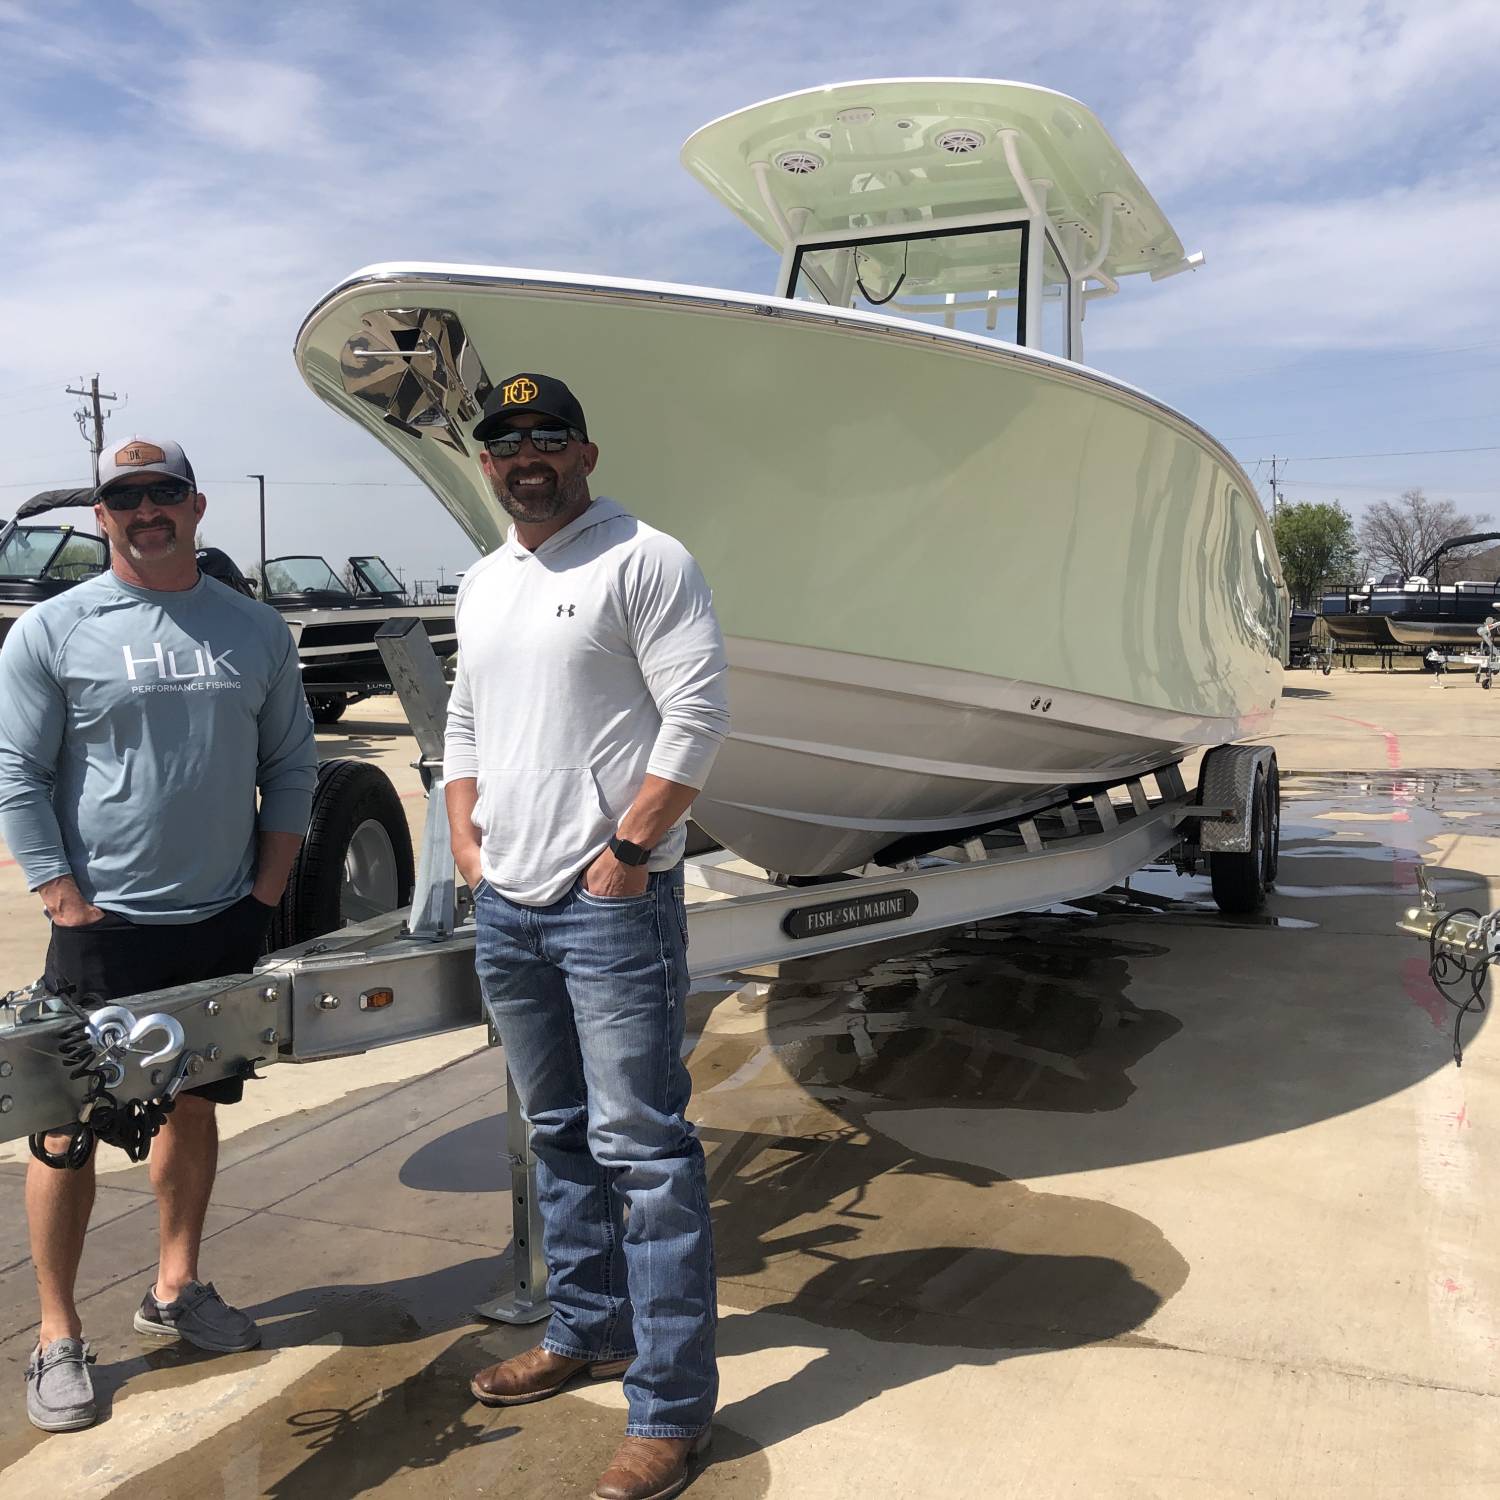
(536, 1374)
(649, 1468)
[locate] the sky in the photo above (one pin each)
(182, 181)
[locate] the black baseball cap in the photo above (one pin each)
(543, 394)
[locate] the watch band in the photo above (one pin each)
(628, 853)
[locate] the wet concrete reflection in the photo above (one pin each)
(823, 1216)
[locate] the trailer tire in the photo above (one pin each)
(327, 708)
(1239, 880)
(356, 861)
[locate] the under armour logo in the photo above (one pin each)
(565, 609)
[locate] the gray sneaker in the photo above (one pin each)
(201, 1317)
(59, 1393)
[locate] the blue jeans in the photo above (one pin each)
(588, 997)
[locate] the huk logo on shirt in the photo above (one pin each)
(178, 664)
(565, 609)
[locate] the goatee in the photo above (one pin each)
(548, 502)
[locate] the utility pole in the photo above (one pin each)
(92, 415)
(1275, 493)
(261, 480)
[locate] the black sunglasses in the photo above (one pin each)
(543, 439)
(130, 497)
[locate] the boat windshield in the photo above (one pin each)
(54, 552)
(971, 278)
(302, 575)
(374, 575)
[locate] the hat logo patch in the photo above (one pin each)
(140, 453)
(519, 392)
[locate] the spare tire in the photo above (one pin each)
(356, 861)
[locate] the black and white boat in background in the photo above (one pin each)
(340, 661)
(40, 560)
(1412, 611)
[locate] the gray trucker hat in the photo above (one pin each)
(138, 455)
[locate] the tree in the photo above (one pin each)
(1316, 543)
(1402, 534)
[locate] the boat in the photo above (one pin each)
(341, 662)
(1409, 610)
(1351, 623)
(962, 575)
(38, 561)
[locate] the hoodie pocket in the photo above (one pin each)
(539, 823)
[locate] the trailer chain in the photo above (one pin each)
(131, 1126)
(1452, 969)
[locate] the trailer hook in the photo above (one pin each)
(115, 1027)
(170, 1026)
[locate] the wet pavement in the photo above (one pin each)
(1122, 1198)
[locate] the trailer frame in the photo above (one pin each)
(410, 973)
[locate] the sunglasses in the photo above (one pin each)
(130, 497)
(543, 439)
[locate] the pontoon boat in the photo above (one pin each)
(1419, 609)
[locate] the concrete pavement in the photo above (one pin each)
(1117, 1200)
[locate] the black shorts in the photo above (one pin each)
(111, 959)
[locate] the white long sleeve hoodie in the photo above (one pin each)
(582, 667)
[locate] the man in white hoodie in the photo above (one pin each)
(587, 710)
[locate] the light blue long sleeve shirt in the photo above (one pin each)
(135, 729)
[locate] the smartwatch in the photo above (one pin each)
(628, 853)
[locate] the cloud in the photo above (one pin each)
(1378, 271)
(190, 177)
(1289, 92)
(249, 104)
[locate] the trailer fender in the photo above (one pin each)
(1227, 779)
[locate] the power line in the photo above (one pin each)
(1485, 419)
(352, 484)
(1382, 489)
(1320, 458)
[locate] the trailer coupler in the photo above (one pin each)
(94, 1048)
(1461, 945)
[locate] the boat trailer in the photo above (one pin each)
(1484, 663)
(409, 973)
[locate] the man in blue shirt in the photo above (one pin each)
(142, 711)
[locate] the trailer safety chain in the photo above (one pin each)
(90, 1052)
(1451, 969)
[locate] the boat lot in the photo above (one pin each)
(1119, 1200)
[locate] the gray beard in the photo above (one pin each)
(535, 511)
(136, 555)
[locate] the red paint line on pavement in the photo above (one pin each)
(1422, 992)
(1392, 741)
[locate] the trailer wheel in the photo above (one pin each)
(357, 859)
(327, 708)
(1239, 880)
